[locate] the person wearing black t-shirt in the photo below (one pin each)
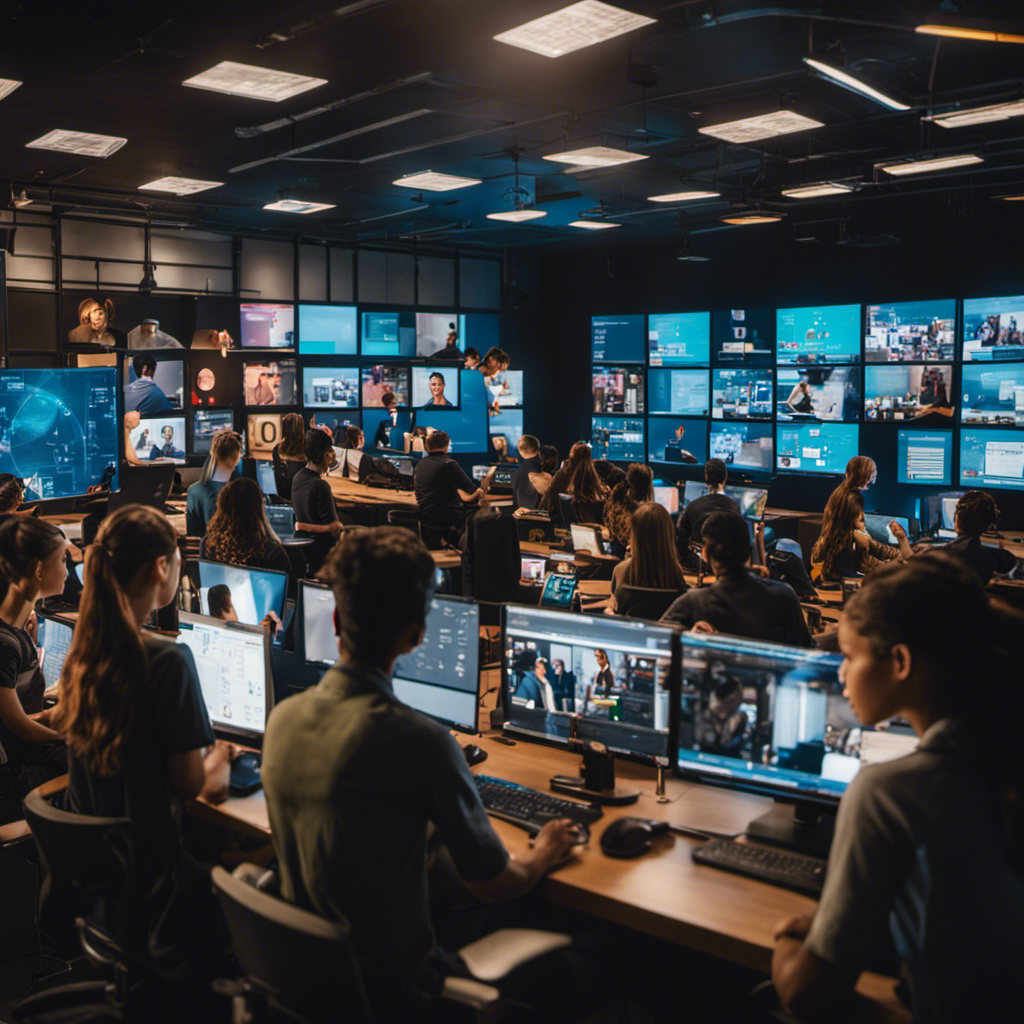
(691, 520)
(739, 602)
(976, 513)
(316, 515)
(529, 481)
(443, 490)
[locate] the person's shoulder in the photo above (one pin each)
(165, 656)
(680, 608)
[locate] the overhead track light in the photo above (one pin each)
(939, 163)
(983, 35)
(434, 181)
(978, 115)
(253, 82)
(852, 82)
(572, 28)
(681, 197)
(824, 188)
(595, 156)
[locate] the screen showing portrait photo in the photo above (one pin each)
(159, 437)
(994, 394)
(910, 332)
(678, 392)
(330, 386)
(617, 438)
(327, 329)
(206, 423)
(465, 424)
(743, 336)
(742, 445)
(436, 332)
(905, 392)
(389, 335)
(679, 339)
(506, 389)
(263, 431)
(925, 457)
(617, 339)
(815, 447)
(161, 387)
(267, 325)
(214, 380)
(994, 329)
(818, 334)
(992, 458)
(435, 386)
(378, 380)
(618, 389)
(819, 393)
(742, 394)
(675, 441)
(271, 383)
(505, 429)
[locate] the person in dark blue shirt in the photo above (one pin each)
(144, 395)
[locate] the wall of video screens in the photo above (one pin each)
(795, 390)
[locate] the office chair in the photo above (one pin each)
(566, 510)
(433, 536)
(644, 602)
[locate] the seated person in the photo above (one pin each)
(389, 420)
(529, 480)
(652, 561)
(356, 464)
(691, 520)
(316, 515)
(627, 494)
(239, 532)
(845, 548)
(443, 490)
(144, 395)
(289, 454)
(220, 466)
(437, 385)
(977, 513)
(586, 489)
(739, 602)
(350, 824)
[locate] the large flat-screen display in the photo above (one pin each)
(815, 447)
(675, 441)
(618, 438)
(435, 386)
(270, 383)
(327, 329)
(267, 325)
(159, 437)
(746, 446)
(993, 329)
(615, 339)
(924, 457)
(325, 387)
(905, 392)
(206, 423)
(466, 424)
(910, 332)
(506, 389)
(744, 337)
(160, 388)
(679, 339)
(818, 334)
(382, 378)
(618, 389)
(59, 429)
(818, 393)
(678, 392)
(742, 394)
(993, 394)
(505, 429)
(389, 335)
(992, 458)
(440, 334)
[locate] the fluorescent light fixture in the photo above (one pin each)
(853, 83)
(516, 216)
(824, 188)
(681, 197)
(297, 206)
(753, 218)
(573, 28)
(255, 83)
(83, 143)
(981, 34)
(939, 163)
(179, 186)
(1011, 199)
(761, 126)
(593, 225)
(595, 156)
(7, 86)
(978, 115)
(434, 181)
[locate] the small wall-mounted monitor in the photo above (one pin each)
(678, 392)
(679, 339)
(818, 334)
(675, 441)
(206, 423)
(505, 429)
(924, 457)
(743, 337)
(267, 325)
(829, 393)
(745, 446)
(910, 332)
(994, 329)
(900, 392)
(435, 386)
(389, 335)
(159, 437)
(992, 458)
(617, 339)
(618, 438)
(327, 329)
(270, 383)
(438, 333)
(742, 394)
(160, 388)
(326, 387)
(815, 447)
(618, 389)
(993, 394)
(382, 378)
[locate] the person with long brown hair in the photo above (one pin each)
(139, 739)
(845, 548)
(652, 561)
(627, 494)
(239, 532)
(221, 465)
(861, 473)
(584, 486)
(289, 454)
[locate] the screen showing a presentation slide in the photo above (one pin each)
(678, 392)
(206, 423)
(505, 428)
(507, 389)
(994, 394)
(677, 441)
(436, 332)
(910, 332)
(994, 329)
(744, 336)
(815, 447)
(992, 458)
(159, 437)
(818, 393)
(924, 457)
(746, 446)
(263, 431)
(330, 387)
(618, 389)
(679, 339)
(465, 424)
(327, 329)
(59, 429)
(161, 389)
(818, 334)
(742, 394)
(435, 386)
(251, 593)
(383, 378)
(270, 383)
(618, 438)
(905, 392)
(617, 339)
(268, 325)
(389, 335)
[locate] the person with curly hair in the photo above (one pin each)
(629, 491)
(977, 513)
(239, 532)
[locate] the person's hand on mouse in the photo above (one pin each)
(555, 841)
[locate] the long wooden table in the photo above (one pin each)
(348, 493)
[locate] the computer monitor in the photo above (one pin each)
(319, 636)
(830, 393)
(159, 437)
(405, 464)
(389, 335)
(679, 339)
(993, 394)
(433, 331)
(267, 324)
(382, 378)
(916, 332)
(993, 329)
(504, 429)
(992, 458)
(877, 525)
(678, 392)
(233, 664)
(444, 377)
(252, 593)
(586, 538)
(507, 389)
(166, 392)
(615, 339)
(266, 479)
(940, 513)
(620, 676)
(692, 490)
(618, 389)
(751, 500)
(668, 498)
(206, 423)
(742, 446)
(675, 441)
(818, 334)
(327, 329)
(270, 383)
(54, 637)
(281, 519)
(743, 336)
(441, 678)
(618, 438)
(742, 394)
(901, 392)
(80, 572)
(924, 457)
(816, 447)
(262, 431)
(532, 568)
(330, 387)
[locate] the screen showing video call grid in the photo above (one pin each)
(615, 674)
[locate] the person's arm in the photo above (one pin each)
(807, 985)
(794, 397)
(207, 777)
(901, 538)
(464, 486)
(679, 611)
(195, 523)
(26, 728)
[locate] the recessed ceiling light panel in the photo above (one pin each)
(940, 163)
(593, 225)
(7, 86)
(573, 28)
(83, 143)
(516, 216)
(595, 156)
(825, 188)
(979, 115)
(179, 186)
(298, 206)
(434, 181)
(761, 126)
(255, 83)
(752, 218)
(681, 197)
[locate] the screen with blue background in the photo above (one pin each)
(818, 334)
(910, 331)
(328, 330)
(742, 394)
(678, 392)
(924, 457)
(992, 328)
(993, 394)
(745, 446)
(679, 339)
(389, 335)
(615, 339)
(815, 447)
(666, 446)
(743, 336)
(992, 458)
(619, 438)
(466, 425)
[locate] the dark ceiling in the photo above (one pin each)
(117, 68)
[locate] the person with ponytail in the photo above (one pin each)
(32, 565)
(139, 739)
(220, 467)
(927, 854)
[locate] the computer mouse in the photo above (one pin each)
(473, 754)
(627, 837)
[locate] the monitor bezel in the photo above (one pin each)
(316, 585)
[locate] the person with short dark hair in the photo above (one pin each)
(357, 464)
(382, 436)
(691, 520)
(219, 603)
(530, 481)
(444, 493)
(437, 397)
(977, 513)
(144, 395)
(739, 602)
(472, 358)
(316, 515)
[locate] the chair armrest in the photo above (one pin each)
(470, 993)
(501, 952)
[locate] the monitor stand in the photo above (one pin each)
(802, 826)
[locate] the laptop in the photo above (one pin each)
(668, 497)
(877, 526)
(54, 642)
(144, 485)
(282, 519)
(752, 501)
(587, 539)
(265, 478)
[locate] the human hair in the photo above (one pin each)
(653, 559)
(352, 436)
(549, 458)
(143, 361)
(388, 399)
(715, 472)
(526, 659)
(218, 600)
(439, 376)
(12, 492)
(496, 355)
(86, 305)
(602, 652)
(239, 531)
(837, 526)
(860, 472)
(727, 539)
(472, 353)
(437, 441)
(584, 484)
(363, 570)
(293, 436)
(976, 512)
(225, 446)
(106, 662)
(318, 444)
(25, 541)
(640, 481)
(529, 445)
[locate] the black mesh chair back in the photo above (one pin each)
(644, 602)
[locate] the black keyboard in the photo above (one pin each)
(531, 809)
(776, 867)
